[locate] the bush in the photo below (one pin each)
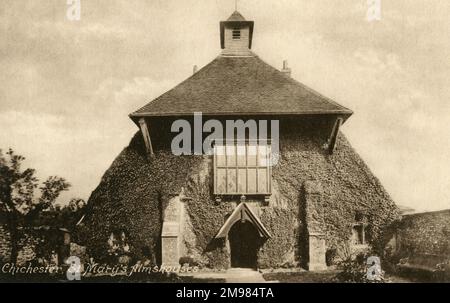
(356, 270)
(330, 256)
(188, 260)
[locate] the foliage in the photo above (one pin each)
(63, 216)
(119, 249)
(18, 199)
(426, 233)
(355, 268)
(284, 238)
(132, 196)
(330, 256)
(135, 190)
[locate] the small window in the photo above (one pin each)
(358, 235)
(236, 34)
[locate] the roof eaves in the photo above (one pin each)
(312, 112)
(344, 113)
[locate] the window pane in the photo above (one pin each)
(251, 180)
(357, 235)
(262, 155)
(269, 155)
(242, 186)
(241, 155)
(220, 155)
(242, 168)
(231, 155)
(262, 180)
(231, 181)
(251, 155)
(221, 180)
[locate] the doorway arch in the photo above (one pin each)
(244, 244)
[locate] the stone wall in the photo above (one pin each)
(5, 247)
(27, 250)
(27, 245)
(424, 233)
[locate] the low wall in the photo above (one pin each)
(5, 245)
(425, 233)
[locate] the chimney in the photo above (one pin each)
(286, 70)
(195, 69)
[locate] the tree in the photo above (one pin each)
(66, 216)
(18, 199)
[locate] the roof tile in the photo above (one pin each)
(240, 85)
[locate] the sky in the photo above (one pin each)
(67, 87)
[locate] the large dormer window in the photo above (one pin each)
(236, 34)
(242, 168)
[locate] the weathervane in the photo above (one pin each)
(235, 4)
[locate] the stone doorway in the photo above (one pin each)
(244, 245)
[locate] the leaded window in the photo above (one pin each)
(242, 168)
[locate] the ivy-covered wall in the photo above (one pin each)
(134, 192)
(349, 188)
(132, 196)
(425, 233)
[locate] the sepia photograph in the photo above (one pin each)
(224, 141)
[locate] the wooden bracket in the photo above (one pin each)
(146, 135)
(333, 136)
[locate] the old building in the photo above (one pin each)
(234, 207)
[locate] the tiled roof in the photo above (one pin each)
(240, 85)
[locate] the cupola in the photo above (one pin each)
(236, 36)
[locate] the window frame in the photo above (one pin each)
(257, 143)
(361, 229)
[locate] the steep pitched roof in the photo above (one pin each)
(240, 85)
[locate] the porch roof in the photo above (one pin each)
(243, 212)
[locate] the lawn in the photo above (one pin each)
(322, 277)
(302, 277)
